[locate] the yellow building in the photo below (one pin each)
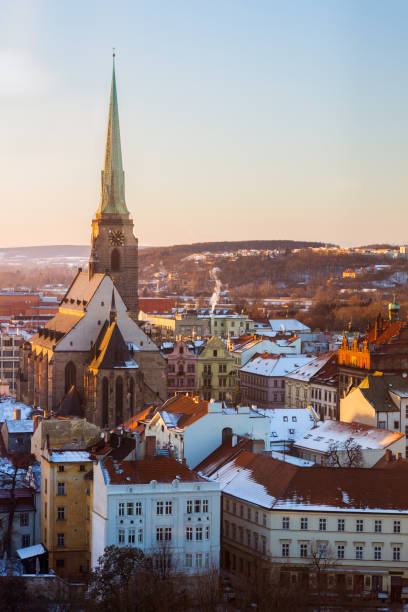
(216, 372)
(65, 510)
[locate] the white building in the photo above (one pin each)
(160, 506)
(316, 444)
(191, 430)
(277, 514)
(287, 425)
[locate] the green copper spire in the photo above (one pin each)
(113, 178)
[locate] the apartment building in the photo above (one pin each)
(216, 373)
(11, 338)
(159, 506)
(276, 514)
(66, 510)
(298, 387)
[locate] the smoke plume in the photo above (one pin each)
(217, 289)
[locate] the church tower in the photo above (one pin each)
(114, 248)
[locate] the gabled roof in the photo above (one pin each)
(71, 405)
(287, 325)
(307, 370)
(111, 350)
(18, 426)
(143, 471)
(274, 365)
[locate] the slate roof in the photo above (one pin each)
(143, 471)
(376, 389)
(18, 426)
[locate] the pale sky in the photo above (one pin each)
(239, 120)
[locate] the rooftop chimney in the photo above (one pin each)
(17, 414)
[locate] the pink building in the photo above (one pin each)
(181, 370)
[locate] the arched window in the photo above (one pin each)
(119, 400)
(132, 396)
(226, 434)
(70, 376)
(115, 260)
(105, 402)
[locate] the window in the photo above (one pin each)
(25, 540)
(285, 550)
(197, 506)
(207, 532)
(303, 523)
(45, 485)
(340, 525)
(60, 539)
(378, 526)
(292, 432)
(189, 533)
(340, 551)
(45, 509)
(159, 507)
(61, 468)
(82, 468)
(264, 520)
(285, 418)
(294, 419)
(189, 560)
(248, 538)
(359, 525)
(199, 533)
(249, 514)
(129, 508)
(397, 526)
(138, 508)
(359, 552)
(205, 506)
(377, 553)
(61, 488)
(322, 551)
(169, 507)
(61, 513)
(256, 517)
(167, 534)
(381, 424)
(190, 506)
(121, 536)
(396, 424)
(285, 522)
(121, 509)
(303, 551)
(215, 352)
(396, 553)
(60, 562)
(24, 519)
(199, 560)
(163, 533)
(132, 536)
(322, 524)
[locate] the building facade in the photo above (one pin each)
(181, 370)
(216, 374)
(160, 507)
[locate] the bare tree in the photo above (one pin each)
(345, 454)
(321, 559)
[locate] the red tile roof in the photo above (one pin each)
(156, 305)
(224, 453)
(190, 409)
(144, 471)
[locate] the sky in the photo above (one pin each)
(239, 120)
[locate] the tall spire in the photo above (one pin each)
(113, 179)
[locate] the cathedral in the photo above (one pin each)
(92, 359)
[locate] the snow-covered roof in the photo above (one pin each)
(331, 432)
(288, 423)
(287, 325)
(272, 365)
(7, 407)
(290, 459)
(306, 371)
(31, 551)
(20, 426)
(170, 418)
(69, 456)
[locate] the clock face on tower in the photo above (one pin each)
(116, 238)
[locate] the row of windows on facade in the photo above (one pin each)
(261, 381)
(133, 536)
(222, 368)
(322, 552)
(328, 395)
(190, 369)
(258, 394)
(162, 507)
(254, 540)
(223, 381)
(172, 382)
(304, 521)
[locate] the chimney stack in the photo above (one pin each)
(17, 414)
(388, 454)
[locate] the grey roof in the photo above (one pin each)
(20, 426)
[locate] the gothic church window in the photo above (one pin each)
(70, 376)
(119, 400)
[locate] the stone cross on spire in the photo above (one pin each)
(113, 178)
